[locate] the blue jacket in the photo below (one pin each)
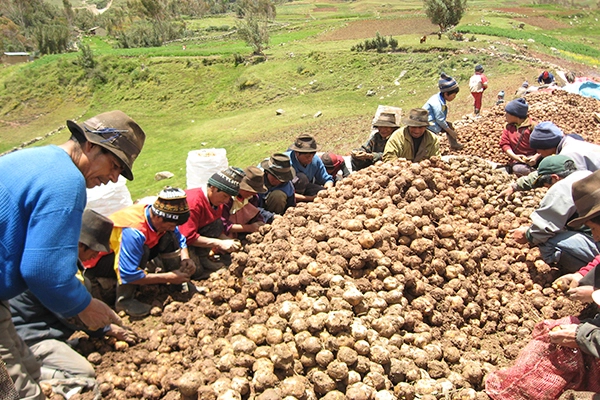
(42, 197)
(438, 110)
(315, 171)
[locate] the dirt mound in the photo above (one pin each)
(400, 282)
(570, 112)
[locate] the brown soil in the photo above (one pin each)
(543, 22)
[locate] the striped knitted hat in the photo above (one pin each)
(447, 83)
(228, 180)
(172, 205)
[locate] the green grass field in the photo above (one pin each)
(197, 97)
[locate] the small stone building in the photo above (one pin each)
(15, 57)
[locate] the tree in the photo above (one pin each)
(445, 13)
(253, 28)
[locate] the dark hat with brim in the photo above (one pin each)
(95, 231)
(305, 144)
(114, 131)
(417, 117)
(586, 196)
(279, 166)
(254, 181)
(386, 119)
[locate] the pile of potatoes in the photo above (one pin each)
(570, 112)
(402, 282)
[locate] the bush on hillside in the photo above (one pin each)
(379, 43)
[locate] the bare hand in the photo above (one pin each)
(581, 293)
(568, 281)
(124, 334)
(520, 234)
(97, 315)
(177, 277)
(253, 227)
(531, 160)
(564, 335)
(506, 192)
(229, 245)
(187, 266)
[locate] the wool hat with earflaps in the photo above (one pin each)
(447, 83)
(172, 205)
(228, 180)
(95, 231)
(116, 132)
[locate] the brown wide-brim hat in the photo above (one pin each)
(305, 144)
(279, 165)
(386, 119)
(417, 117)
(254, 181)
(116, 132)
(95, 231)
(586, 195)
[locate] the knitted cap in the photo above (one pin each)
(227, 181)
(172, 204)
(447, 83)
(545, 136)
(525, 84)
(479, 68)
(518, 107)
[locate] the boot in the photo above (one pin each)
(170, 261)
(454, 144)
(126, 302)
(477, 111)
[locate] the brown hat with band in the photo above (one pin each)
(114, 131)
(279, 166)
(254, 181)
(95, 231)
(417, 117)
(386, 119)
(305, 144)
(586, 195)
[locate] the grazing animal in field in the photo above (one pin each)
(423, 39)
(440, 35)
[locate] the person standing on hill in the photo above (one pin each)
(42, 198)
(478, 84)
(438, 110)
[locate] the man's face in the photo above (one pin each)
(272, 180)
(546, 152)
(595, 229)
(385, 131)
(305, 158)
(163, 226)
(103, 166)
(245, 194)
(416, 131)
(217, 197)
(85, 253)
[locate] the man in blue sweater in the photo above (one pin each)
(311, 175)
(42, 198)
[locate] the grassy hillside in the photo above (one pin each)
(198, 98)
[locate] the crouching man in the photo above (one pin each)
(142, 233)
